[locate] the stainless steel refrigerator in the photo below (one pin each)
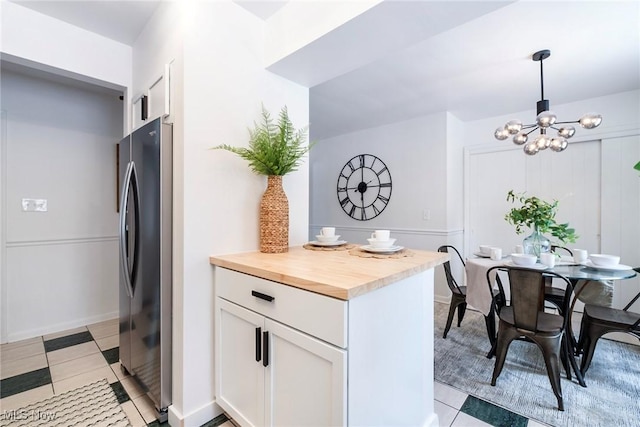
(145, 170)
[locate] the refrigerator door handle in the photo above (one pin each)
(124, 200)
(129, 179)
(136, 225)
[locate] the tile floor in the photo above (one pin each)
(37, 368)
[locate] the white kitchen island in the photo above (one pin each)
(321, 338)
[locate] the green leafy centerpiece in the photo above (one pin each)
(275, 149)
(539, 216)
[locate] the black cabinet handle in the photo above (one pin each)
(262, 296)
(258, 344)
(265, 349)
(144, 107)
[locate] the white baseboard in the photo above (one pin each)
(196, 418)
(432, 421)
(59, 327)
(442, 299)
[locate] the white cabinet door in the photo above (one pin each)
(239, 376)
(306, 380)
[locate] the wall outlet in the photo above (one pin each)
(34, 205)
(426, 215)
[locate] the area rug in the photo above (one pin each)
(611, 397)
(91, 405)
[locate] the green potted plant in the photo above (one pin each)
(539, 216)
(275, 149)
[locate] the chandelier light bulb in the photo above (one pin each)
(558, 144)
(542, 141)
(531, 149)
(520, 139)
(566, 131)
(546, 119)
(501, 134)
(590, 120)
(513, 126)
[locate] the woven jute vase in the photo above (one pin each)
(274, 217)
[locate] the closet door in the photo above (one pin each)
(572, 177)
(621, 212)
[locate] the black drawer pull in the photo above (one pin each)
(262, 296)
(265, 349)
(258, 344)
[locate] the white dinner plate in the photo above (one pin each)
(536, 266)
(619, 267)
(390, 249)
(481, 255)
(336, 243)
(566, 260)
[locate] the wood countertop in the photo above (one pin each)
(333, 273)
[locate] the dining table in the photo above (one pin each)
(479, 294)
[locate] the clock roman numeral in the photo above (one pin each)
(352, 211)
(351, 167)
(363, 214)
(342, 189)
(376, 211)
(361, 158)
(344, 201)
(381, 171)
(384, 200)
(385, 184)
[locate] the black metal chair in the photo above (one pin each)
(459, 293)
(523, 317)
(552, 294)
(556, 249)
(598, 320)
(459, 299)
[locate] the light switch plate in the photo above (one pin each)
(34, 205)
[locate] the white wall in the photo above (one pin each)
(61, 265)
(219, 85)
(298, 24)
(39, 41)
(416, 153)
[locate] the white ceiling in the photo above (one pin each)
(483, 67)
(407, 59)
(118, 20)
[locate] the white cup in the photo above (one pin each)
(519, 249)
(328, 231)
(548, 259)
(496, 254)
(381, 235)
(580, 255)
(485, 249)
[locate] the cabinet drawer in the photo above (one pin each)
(317, 315)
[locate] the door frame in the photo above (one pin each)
(3, 227)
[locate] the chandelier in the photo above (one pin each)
(545, 120)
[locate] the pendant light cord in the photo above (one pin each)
(541, 80)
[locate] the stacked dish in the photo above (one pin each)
(605, 262)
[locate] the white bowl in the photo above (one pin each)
(327, 239)
(603, 260)
(374, 243)
(524, 260)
